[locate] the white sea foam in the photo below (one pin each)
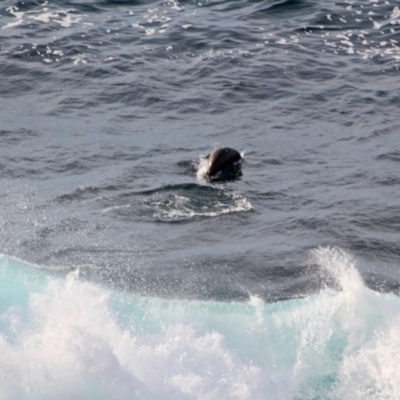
(176, 207)
(68, 338)
(202, 168)
(73, 348)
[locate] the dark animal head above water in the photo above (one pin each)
(223, 161)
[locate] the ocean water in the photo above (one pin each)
(125, 274)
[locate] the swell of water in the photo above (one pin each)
(62, 337)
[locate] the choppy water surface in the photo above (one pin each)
(106, 110)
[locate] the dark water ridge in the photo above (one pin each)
(107, 107)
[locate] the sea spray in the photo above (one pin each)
(70, 338)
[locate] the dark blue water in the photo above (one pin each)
(106, 110)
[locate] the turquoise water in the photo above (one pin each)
(63, 337)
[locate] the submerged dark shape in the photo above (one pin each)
(224, 163)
